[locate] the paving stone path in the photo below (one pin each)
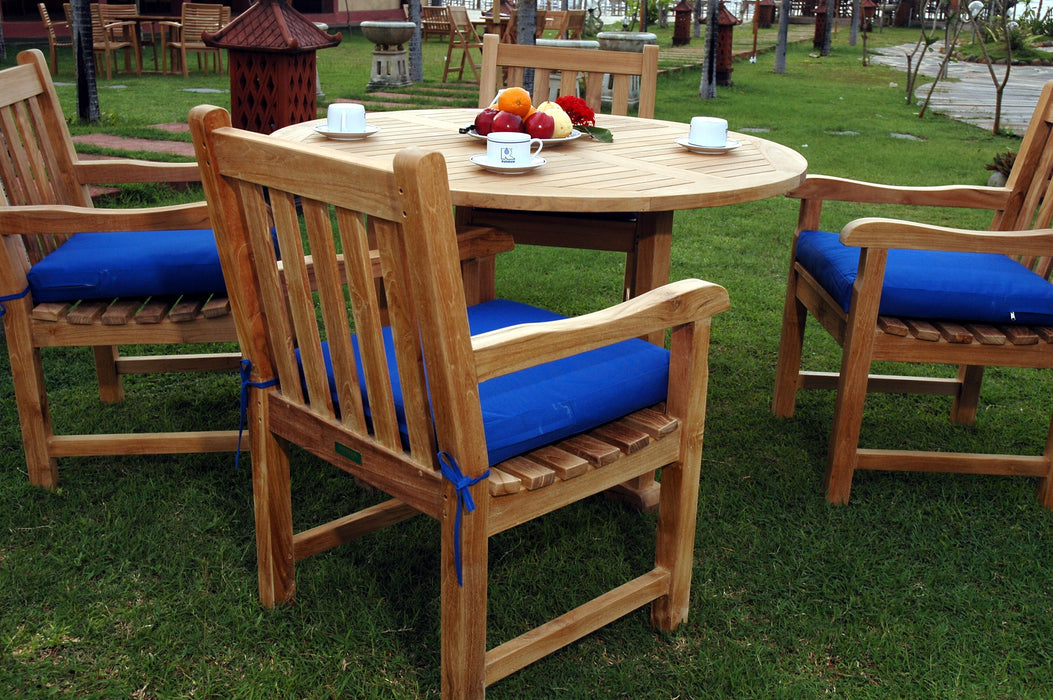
(967, 93)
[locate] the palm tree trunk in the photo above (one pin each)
(84, 58)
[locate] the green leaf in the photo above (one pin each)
(596, 132)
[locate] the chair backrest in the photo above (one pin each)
(436, 19)
(52, 37)
(111, 12)
(1031, 180)
(620, 67)
(462, 25)
(198, 18)
(575, 24)
(37, 162)
(405, 210)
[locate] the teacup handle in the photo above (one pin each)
(540, 145)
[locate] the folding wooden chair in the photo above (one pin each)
(75, 276)
(890, 290)
(457, 412)
(463, 38)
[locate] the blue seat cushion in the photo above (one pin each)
(539, 405)
(129, 264)
(928, 284)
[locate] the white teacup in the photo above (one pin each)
(710, 132)
(346, 118)
(511, 148)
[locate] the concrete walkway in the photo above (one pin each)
(968, 92)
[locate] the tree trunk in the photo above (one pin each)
(416, 53)
(84, 61)
(784, 33)
(3, 44)
(831, 17)
(857, 20)
(707, 90)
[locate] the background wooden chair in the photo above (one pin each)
(463, 38)
(439, 447)
(45, 202)
(562, 229)
(184, 37)
(110, 38)
(575, 26)
(144, 35)
(434, 21)
(54, 42)
(886, 290)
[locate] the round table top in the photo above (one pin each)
(644, 169)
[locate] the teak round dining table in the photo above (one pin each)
(643, 172)
(625, 191)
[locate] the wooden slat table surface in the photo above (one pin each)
(644, 170)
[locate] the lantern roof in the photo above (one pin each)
(271, 25)
(725, 18)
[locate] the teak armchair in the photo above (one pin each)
(890, 290)
(563, 229)
(69, 274)
(434, 21)
(488, 440)
(54, 42)
(111, 37)
(184, 37)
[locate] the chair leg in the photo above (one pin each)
(854, 377)
(678, 507)
(111, 389)
(791, 344)
(34, 416)
(1045, 484)
(970, 378)
(464, 606)
(273, 507)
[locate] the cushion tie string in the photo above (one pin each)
(246, 370)
(11, 297)
(452, 472)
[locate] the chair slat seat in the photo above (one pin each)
(569, 459)
(120, 312)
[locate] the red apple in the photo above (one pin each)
(506, 121)
(484, 121)
(540, 125)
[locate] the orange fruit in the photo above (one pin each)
(515, 100)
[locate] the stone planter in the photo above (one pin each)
(390, 62)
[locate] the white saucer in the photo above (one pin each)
(347, 136)
(729, 146)
(549, 143)
(483, 161)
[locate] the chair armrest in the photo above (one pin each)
(63, 219)
(824, 187)
(874, 232)
(517, 347)
(93, 172)
(175, 25)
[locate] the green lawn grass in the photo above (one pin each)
(137, 577)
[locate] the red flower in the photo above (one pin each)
(578, 110)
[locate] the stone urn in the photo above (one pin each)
(390, 62)
(388, 34)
